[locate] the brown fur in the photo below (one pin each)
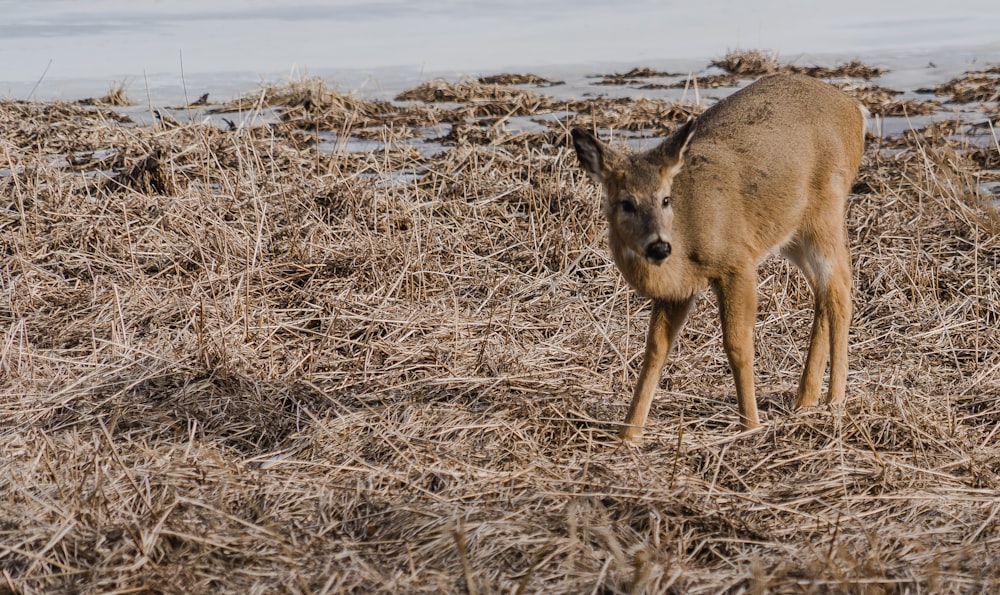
(768, 168)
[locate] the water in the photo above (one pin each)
(70, 49)
(170, 52)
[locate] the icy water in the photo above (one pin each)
(71, 48)
(171, 52)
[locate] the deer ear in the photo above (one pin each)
(593, 154)
(670, 153)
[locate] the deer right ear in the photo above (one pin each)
(671, 151)
(592, 153)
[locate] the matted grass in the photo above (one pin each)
(982, 86)
(233, 362)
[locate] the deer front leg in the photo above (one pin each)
(738, 310)
(665, 323)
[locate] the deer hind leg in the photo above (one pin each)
(737, 295)
(839, 309)
(828, 270)
(665, 323)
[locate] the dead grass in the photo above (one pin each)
(751, 63)
(626, 113)
(508, 78)
(305, 93)
(982, 86)
(115, 97)
(480, 99)
(636, 74)
(882, 101)
(282, 369)
(853, 69)
(756, 63)
(741, 65)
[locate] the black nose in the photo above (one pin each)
(657, 251)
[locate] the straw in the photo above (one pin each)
(238, 361)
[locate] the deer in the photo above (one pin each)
(766, 169)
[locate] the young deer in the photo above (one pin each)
(767, 168)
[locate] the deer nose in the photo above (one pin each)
(657, 251)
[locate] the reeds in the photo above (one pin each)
(281, 368)
(738, 66)
(981, 87)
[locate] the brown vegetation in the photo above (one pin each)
(509, 78)
(236, 362)
(973, 87)
(636, 74)
(752, 63)
(625, 113)
(882, 101)
(115, 97)
(755, 63)
(740, 65)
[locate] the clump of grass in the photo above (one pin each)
(740, 65)
(518, 79)
(756, 63)
(115, 97)
(306, 93)
(982, 86)
(751, 63)
(479, 98)
(884, 102)
(633, 75)
(629, 114)
(148, 175)
(854, 69)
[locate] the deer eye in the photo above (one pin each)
(628, 206)
(666, 201)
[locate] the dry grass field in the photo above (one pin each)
(249, 358)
